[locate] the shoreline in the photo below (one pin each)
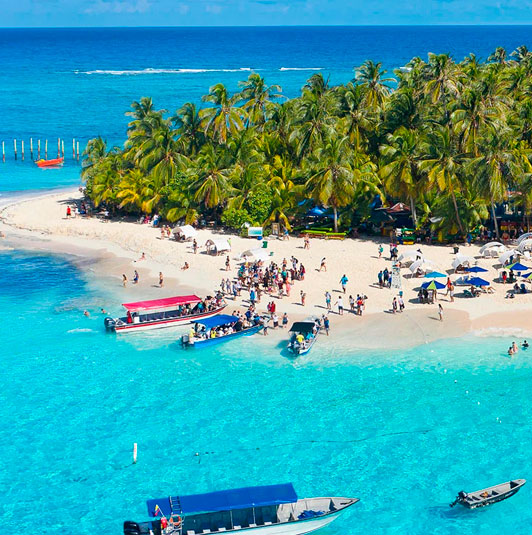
(112, 248)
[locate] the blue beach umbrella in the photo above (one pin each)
(476, 269)
(527, 276)
(433, 285)
(517, 266)
(477, 281)
(435, 275)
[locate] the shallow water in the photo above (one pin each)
(403, 431)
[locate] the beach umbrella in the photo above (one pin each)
(476, 269)
(433, 285)
(528, 276)
(477, 281)
(435, 275)
(517, 266)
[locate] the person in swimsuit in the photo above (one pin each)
(161, 279)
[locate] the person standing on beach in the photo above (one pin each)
(323, 265)
(440, 311)
(352, 304)
(227, 263)
(340, 304)
(328, 300)
(451, 293)
(303, 297)
(284, 321)
(136, 277)
(68, 212)
(195, 246)
(161, 279)
(401, 303)
(343, 281)
(326, 324)
(124, 280)
(394, 305)
(379, 276)
(306, 242)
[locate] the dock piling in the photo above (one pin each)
(15, 147)
(135, 453)
(62, 148)
(31, 148)
(58, 147)
(38, 149)
(22, 149)
(74, 148)
(3, 151)
(77, 150)
(46, 149)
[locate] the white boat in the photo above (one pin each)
(270, 510)
(490, 495)
(167, 312)
(303, 335)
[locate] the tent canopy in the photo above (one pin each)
(257, 254)
(491, 245)
(411, 254)
(462, 260)
(186, 231)
(524, 237)
(218, 245)
(303, 327)
(225, 500)
(507, 255)
(423, 264)
(216, 321)
(168, 302)
(525, 245)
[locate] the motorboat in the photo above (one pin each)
(269, 509)
(219, 328)
(488, 496)
(167, 312)
(303, 335)
(54, 162)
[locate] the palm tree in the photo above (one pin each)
(331, 181)
(210, 177)
(93, 155)
(223, 118)
(443, 164)
(372, 78)
(189, 129)
(499, 56)
(258, 98)
(443, 78)
(401, 166)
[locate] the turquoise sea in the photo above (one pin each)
(402, 430)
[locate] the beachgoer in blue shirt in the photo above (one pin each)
(343, 281)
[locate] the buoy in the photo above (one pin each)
(135, 453)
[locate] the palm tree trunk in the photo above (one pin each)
(494, 216)
(335, 212)
(413, 209)
(458, 220)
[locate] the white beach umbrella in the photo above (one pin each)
(462, 260)
(256, 254)
(423, 264)
(524, 237)
(491, 245)
(186, 231)
(410, 255)
(507, 255)
(525, 245)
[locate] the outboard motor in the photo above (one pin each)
(460, 498)
(131, 528)
(109, 324)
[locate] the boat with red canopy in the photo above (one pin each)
(167, 312)
(54, 162)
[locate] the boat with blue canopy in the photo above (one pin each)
(303, 335)
(209, 331)
(272, 509)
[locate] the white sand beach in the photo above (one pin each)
(44, 217)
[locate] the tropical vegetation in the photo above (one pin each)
(451, 140)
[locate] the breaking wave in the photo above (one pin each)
(137, 72)
(300, 69)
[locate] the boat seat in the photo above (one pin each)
(206, 531)
(221, 529)
(267, 523)
(253, 525)
(494, 493)
(237, 527)
(191, 532)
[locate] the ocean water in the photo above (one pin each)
(403, 431)
(78, 83)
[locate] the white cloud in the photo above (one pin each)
(183, 9)
(119, 6)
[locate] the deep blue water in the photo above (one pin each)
(78, 83)
(403, 431)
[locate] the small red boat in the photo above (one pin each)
(50, 163)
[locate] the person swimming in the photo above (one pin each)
(510, 351)
(524, 345)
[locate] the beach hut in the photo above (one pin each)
(255, 255)
(216, 247)
(184, 232)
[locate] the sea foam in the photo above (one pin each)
(301, 68)
(137, 72)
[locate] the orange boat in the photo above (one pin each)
(50, 163)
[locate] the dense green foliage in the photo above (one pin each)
(452, 140)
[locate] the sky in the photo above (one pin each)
(31, 13)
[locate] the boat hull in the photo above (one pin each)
(50, 163)
(490, 501)
(213, 341)
(123, 328)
